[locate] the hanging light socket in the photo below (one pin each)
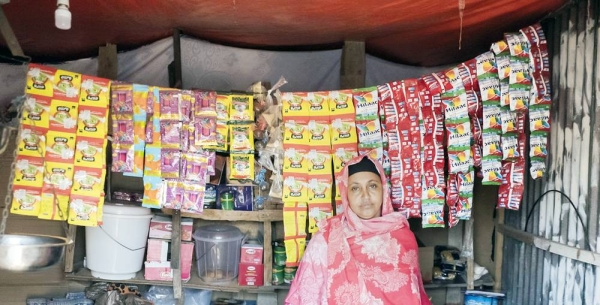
(62, 15)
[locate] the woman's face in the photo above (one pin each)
(365, 194)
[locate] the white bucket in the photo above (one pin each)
(115, 250)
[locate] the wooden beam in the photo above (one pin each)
(176, 256)
(177, 77)
(467, 252)
(70, 249)
(108, 64)
(557, 248)
(9, 35)
(499, 251)
(353, 68)
(268, 252)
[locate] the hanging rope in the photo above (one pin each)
(461, 9)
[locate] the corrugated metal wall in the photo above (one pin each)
(531, 275)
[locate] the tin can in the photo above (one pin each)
(279, 256)
(278, 275)
(288, 274)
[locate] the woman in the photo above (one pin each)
(365, 255)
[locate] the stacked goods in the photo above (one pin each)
(60, 157)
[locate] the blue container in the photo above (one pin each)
(479, 297)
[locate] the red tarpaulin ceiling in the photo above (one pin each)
(416, 32)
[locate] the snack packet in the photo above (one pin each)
(94, 91)
(83, 210)
(242, 139)
(294, 219)
(241, 109)
(66, 86)
(36, 111)
(40, 80)
(26, 200)
(318, 211)
(241, 167)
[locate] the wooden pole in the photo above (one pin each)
(9, 35)
(353, 68)
(176, 256)
(499, 250)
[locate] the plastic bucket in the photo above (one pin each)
(115, 250)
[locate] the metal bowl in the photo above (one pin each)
(22, 253)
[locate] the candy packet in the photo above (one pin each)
(193, 196)
(122, 158)
(152, 163)
(173, 194)
(169, 100)
(170, 134)
(121, 98)
(170, 163)
(122, 129)
(186, 102)
(206, 104)
(153, 192)
(194, 167)
(205, 131)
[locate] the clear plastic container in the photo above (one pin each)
(218, 252)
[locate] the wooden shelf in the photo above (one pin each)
(195, 282)
(213, 214)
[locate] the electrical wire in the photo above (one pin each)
(537, 201)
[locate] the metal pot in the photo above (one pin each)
(21, 253)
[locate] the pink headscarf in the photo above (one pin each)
(356, 261)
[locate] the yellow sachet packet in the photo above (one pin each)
(295, 104)
(90, 152)
(294, 250)
(294, 187)
(319, 105)
(36, 111)
(241, 108)
(40, 80)
(318, 211)
(343, 131)
(319, 188)
(26, 200)
(222, 104)
(92, 122)
(29, 171)
(88, 181)
(95, 91)
(49, 209)
(32, 142)
(241, 167)
(83, 210)
(319, 134)
(296, 132)
(294, 219)
(341, 104)
(319, 160)
(66, 86)
(295, 159)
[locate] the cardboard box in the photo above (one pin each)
(251, 253)
(426, 263)
(161, 227)
(161, 271)
(251, 274)
(157, 250)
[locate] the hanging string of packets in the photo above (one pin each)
(60, 165)
(472, 116)
(170, 138)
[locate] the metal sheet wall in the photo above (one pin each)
(531, 275)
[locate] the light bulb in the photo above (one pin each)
(62, 16)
